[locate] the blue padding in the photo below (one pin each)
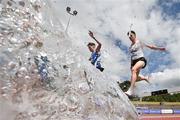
(176, 111)
(143, 111)
(155, 111)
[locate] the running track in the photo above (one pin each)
(160, 117)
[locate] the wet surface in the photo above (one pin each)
(43, 77)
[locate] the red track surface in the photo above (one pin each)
(160, 117)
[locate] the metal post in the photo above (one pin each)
(74, 13)
(68, 23)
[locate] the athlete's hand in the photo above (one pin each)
(91, 34)
(162, 49)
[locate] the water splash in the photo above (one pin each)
(66, 86)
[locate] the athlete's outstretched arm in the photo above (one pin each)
(99, 44)
(155, 47)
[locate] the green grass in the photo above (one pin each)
(156, 103)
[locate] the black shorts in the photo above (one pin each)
(133, 62)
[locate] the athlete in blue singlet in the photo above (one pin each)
(95, 56)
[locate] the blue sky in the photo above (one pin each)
(170, 8)
(155, 59)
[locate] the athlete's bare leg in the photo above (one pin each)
(141, 77)
(134, 75)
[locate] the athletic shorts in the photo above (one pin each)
(133, 62)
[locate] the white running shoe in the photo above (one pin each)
(129, 92)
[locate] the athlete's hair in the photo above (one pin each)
(91, 44)
(131, 32)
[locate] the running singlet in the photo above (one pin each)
(95, 60)
(136, 51)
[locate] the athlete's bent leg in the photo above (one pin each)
(134, 75)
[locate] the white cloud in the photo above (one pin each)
(115, 16)
(168, 79)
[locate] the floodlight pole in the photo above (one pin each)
(74, 13)
(68, 23)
